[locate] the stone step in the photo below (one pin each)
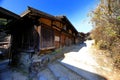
(75, 67)
(9, 73)
(63, 73)
(46, 74)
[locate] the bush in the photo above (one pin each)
(115, 49)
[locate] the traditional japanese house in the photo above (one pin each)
(6, 17)
(81, 36)
(37, 31)
(68, 32)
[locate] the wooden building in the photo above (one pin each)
(68, 32)
(37, 31)
(6, 17)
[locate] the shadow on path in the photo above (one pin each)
(85, 74)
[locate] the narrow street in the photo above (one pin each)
(60, 40)
(82, 62)
(77, 64)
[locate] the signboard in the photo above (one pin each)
(57, 38)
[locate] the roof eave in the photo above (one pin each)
(70, 23)
(38, 13)
(8, 13)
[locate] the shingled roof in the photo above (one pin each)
(37, 13)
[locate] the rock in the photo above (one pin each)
(25, 61)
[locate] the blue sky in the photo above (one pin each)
(75, 10)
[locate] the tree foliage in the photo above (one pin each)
(106, 32)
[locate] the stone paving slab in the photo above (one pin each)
(62, 73)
